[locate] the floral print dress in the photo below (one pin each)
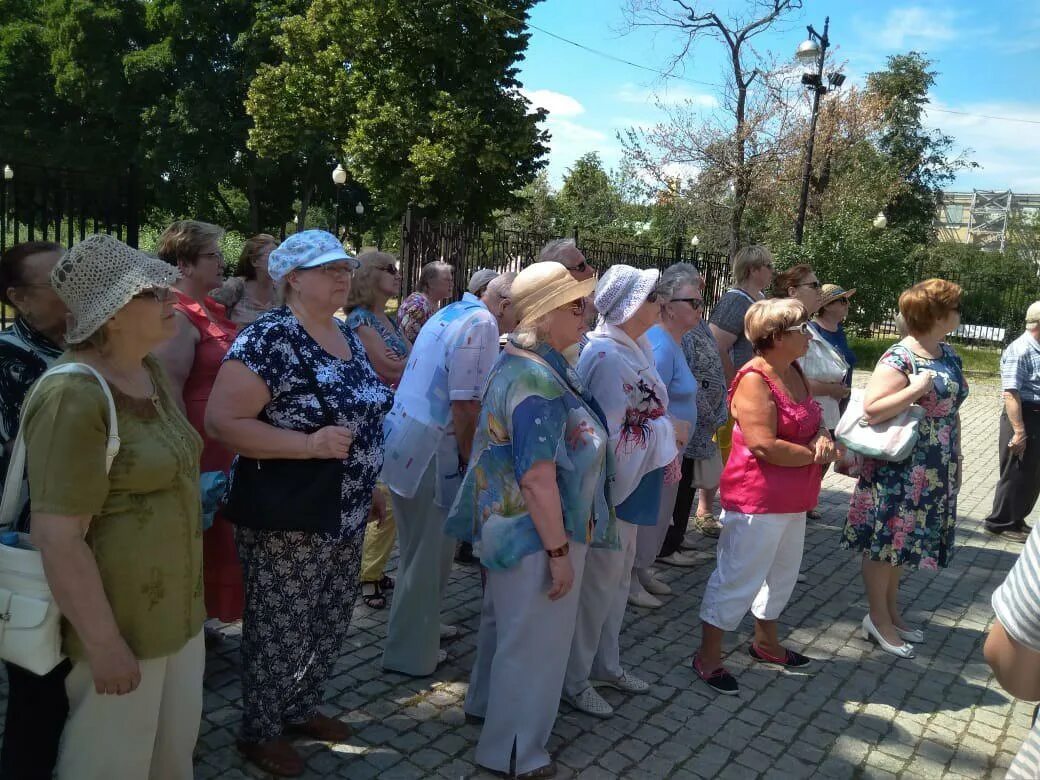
(904, 513)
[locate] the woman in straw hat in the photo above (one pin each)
(533, 499)
(122, 549)
(619, 369)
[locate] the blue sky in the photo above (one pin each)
(987, 53)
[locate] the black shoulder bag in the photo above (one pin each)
(281, 494)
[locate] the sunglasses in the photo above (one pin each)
(577, 308)
(803, 329)
(581, 267)
(814, 285)
(695, 303)
(160, 294)
(390, 269)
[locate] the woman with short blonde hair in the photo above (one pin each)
(772, 478)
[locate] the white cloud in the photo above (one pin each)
(556, 103)
(1008, 153)
(915, 25)
(670, 94)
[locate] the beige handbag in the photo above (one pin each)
(30, 623)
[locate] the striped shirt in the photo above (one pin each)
(1020, 368)
(1017, 605)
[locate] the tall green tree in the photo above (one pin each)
(588, 200)
(421, 100)
(924, 159)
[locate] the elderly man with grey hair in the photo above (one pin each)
(428, 437)
(565, 252)
(1019, 484)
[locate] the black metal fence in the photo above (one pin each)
(993, 307)
(468, 248)
(38, 203)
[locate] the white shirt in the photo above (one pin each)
(622, 376)
(450, 361)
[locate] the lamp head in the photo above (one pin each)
(339, 175)
(881, 221)
(808, 51)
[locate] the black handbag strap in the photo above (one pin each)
(330, 416)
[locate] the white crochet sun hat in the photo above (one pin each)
(622, 290)
(99, 276)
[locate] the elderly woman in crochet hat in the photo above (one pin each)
(617, 366)
(534, 498)
(121, 537)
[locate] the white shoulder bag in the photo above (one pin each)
(892, 440)
(30, 623)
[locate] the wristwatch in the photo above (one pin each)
(560, 551)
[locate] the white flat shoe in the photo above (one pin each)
(449, 632)
(685, 560)
(591, 703)
(643, 599)
(626, 682)
(870, 630)
(914, 635)
(657, 587)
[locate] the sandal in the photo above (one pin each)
(275, 756)
(386, 583)
(375, 599)
(322, 728)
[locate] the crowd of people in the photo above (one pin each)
(570, 458)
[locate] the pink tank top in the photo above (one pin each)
(752, 486)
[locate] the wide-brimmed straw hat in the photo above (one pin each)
(622, 290)
(99, 276)
(542, 287)
(829, 293)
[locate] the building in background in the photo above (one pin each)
(983, 218)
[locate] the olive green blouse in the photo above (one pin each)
(146, 531)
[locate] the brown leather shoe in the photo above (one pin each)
(275, 756)
(322, 728)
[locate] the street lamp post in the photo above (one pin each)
(339, 178)
(813, 51)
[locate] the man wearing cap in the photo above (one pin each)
(429, 433)
(1019, 448)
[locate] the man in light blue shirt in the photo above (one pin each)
(1019, 485)
(428, 435)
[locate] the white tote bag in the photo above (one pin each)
(891, 440)
(30, 623)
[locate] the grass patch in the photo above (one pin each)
(980, 361)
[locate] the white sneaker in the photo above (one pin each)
(655, 586)
(449, 632)
(685, 560)
(590, 702)
(626, 682)
(641, 598)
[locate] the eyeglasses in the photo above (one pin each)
(695, 303)
(330, 269)
(814, 285)
(803, 329)
(581, 267)
(160, 294)
(577, 307)
(390, 269)
(219, 255)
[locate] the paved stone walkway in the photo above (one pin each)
(858, 713)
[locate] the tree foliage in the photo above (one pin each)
(421, 99)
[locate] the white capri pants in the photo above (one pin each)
(757, 569)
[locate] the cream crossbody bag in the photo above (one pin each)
(30, 623)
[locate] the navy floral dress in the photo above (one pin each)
(301, 586)
(905, 513)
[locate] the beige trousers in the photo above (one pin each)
(145, 735)
(379, 542)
